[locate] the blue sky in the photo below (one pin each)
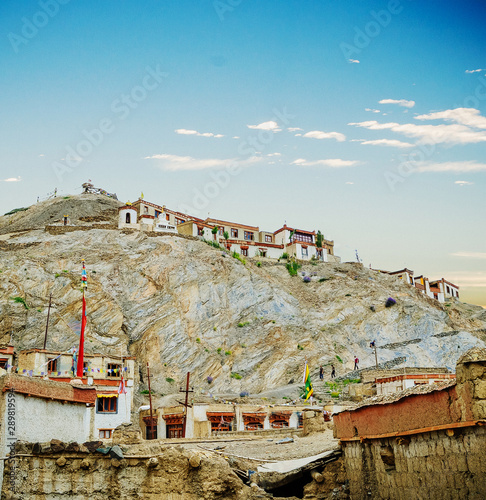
(366, 120)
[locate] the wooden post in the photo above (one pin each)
(185, 405)
(150, 399)
(376, 356)
(47, 322)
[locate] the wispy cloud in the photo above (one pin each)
(317, 134)
(470, 255)
(429, 134)
(183, 131)
(372, 110)
(350, 183)
(474, 70)
(331, 162)
(270, 125)
(470, 117)
(41, 155)
(175, 163)
(464, 183)
(467, 279)
(458, 167)
(401, 102)
(294, 129)
(388, 142)
(353, 61)
(12, 179)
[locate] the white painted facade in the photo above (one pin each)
(109, 421)
(127, 218)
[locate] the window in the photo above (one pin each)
(221, 231)
(306, 238)
(157, 213)
(179, 221)
(279, 424)
(107, 404)
(234, 233)
(3, 363)
(304, 252)
(249, 235)
(174, 431)
(268, 238)
(86, 367)
(105, 433)
(113, 370)
(200, 231)
(128, 219)
(52, 365)
(244, 252)
(145, 210)
(263, 253)
(167, 217)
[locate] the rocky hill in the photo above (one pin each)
(183, 305)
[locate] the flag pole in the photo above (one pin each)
(80, 363)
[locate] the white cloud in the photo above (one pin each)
(298, 135)
(464, 183)
(353, 61)
(294, 129)
(350, 183)
(470, 255)
(388, 142)
(468, 278)
(332, 162)
(317, 134)
(474, 70)
(12, 179)
(470, 117)
(372, 110)
(270, 125)
(175, 163)
(458, 167)
(42, 155)
(401, 102)
(183, 131)
(429, 134)
(274, 154)
(236, 137)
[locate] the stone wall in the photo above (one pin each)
(172, 474)
(433, 465)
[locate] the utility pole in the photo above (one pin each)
(150, 399)
(186, 404)
(47, 322)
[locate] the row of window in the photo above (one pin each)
(112, 369)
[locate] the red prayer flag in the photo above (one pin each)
(80, 365)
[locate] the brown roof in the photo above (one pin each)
(55, 391)
(235, 224)
(396, 396)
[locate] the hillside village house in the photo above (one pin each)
(246, 240)
(440, 290)
(104, 373)
(206, 419)
(6, 357)
(36, 410)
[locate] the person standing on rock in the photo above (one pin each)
(321, 372)
(356, 361)
(333, 371)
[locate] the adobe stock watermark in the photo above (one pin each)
(121, 107)
(220, 180)
(223, 6)
(372, 29)
(423, 152)
(30, 27)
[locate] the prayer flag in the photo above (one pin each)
(122, 389)
(308, 384)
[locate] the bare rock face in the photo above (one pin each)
(184, 306)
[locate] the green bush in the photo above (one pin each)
(334, 394)
(20, 300)
(57, 275)
(285, 255)
(241, 325)
(146, 391)
(339, 359)
(170, 380)
(259, 264)
(198, 340)
(237, 256)
(292, 267)
(228, 353)
(299, 347)
(236, 376)
(219, 349)
(15, 210)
